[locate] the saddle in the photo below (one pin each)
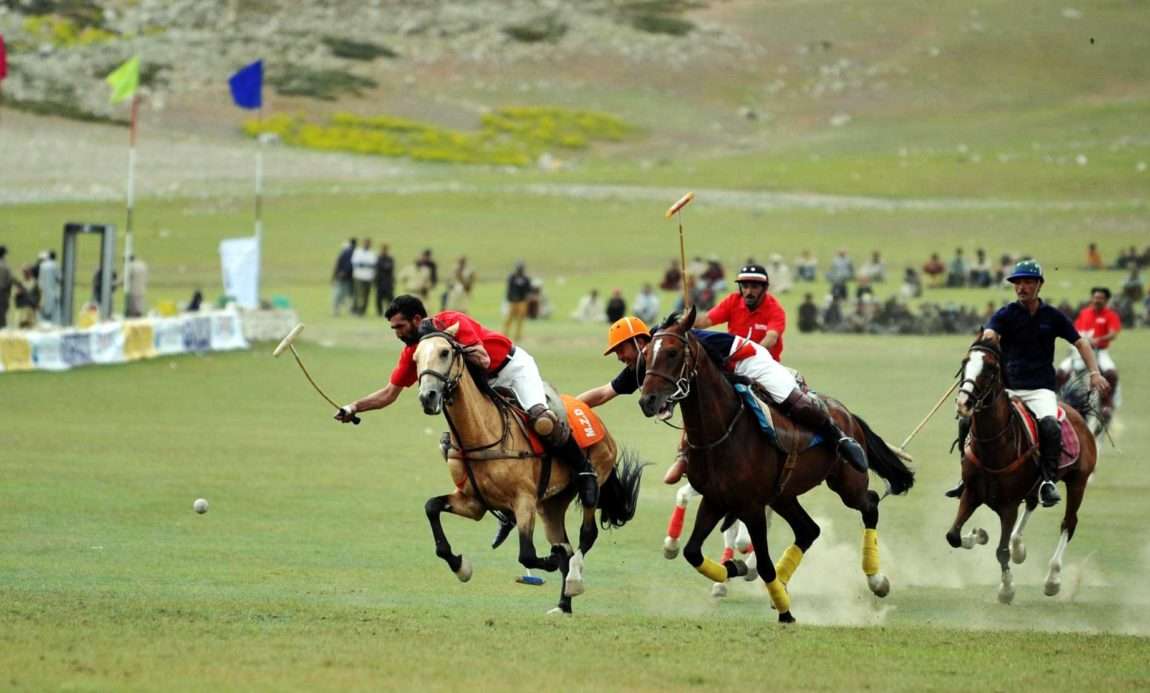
(586, 426)
(1071, 445)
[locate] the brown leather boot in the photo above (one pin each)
(807, 413)
(677, 469)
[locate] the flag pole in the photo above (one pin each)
(259, 191)
(131, 201)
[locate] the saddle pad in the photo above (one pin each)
(585, 424)
(1071, 446)
(762, 414)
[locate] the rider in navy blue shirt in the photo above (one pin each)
(1025, 331)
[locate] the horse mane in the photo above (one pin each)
(670, 320)
(988, 344)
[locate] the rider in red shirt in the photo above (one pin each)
(751, 312)
(1100, 325)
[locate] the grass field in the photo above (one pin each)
(1015, 127)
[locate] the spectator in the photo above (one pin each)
(714, 275)
(616, 306)
(1005, 267)
(426, 260)
(27, 299)
(808, 314)
(97, 286)
(863, 289)
(1094, 258)
(646, 305)
(875, 270)
(672, 278)
(806, 267)
(956, 276)
(980, 270)
(590, 308)
(1132, 287)
(1127, 259)
(780, 274)
(911, 284)
(459, 286)
(518, 291)
(50, 288)
(137, 287)
(934, 270)
(5, 287)
(384, 279)
(362, 276)
(197, 300)
(415, 279)
(538, 305)
(842, 268)
(341, 287)
(833, 315)
(695, 269)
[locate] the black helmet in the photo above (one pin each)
(752, 273)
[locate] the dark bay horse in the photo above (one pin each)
(740, 472)
(494, 467)
(1000, 469)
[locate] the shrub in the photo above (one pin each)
(357, 50)
(547, 28)
(325, 85)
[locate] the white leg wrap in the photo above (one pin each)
(573, 587)
(1054, 576)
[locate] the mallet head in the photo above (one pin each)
(680, 204)
(287, 341)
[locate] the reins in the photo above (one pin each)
(682, 385)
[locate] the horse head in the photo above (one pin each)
(670, 361)
(438, 359)
(981, 376)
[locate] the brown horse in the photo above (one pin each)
(739, 471)
(1000, 467)
(494, 467)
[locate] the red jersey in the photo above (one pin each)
(470, 332)
(752, 324)
(1101, 325)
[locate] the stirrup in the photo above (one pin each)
(956, 492)
(504, 531)
(1048, 493)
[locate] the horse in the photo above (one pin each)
(740, 471)
(495, 467)
(1000, 470)
(735, 539)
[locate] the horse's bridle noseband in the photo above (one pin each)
(683, 381)
(450, 382)
(983, 400)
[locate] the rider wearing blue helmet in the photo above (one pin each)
(1026, 330)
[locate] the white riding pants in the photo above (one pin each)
(1042, 402)
(521, 376)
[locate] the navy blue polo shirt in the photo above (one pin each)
(1028, 343)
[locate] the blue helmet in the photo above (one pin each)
(1026, 269)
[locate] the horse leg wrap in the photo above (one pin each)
(870, 552)
(728, 554)
(675, 526)
(789, 562)
(779, 596)
(713, 571)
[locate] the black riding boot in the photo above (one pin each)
(506, 524)
(586, 481)
(806, 412)
(963, 431)
(1050, 449)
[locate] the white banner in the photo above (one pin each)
(240, 262)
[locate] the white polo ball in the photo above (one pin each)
(200, 506)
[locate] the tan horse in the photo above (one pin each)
(495, 467)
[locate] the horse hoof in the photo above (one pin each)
(879, 584)
(1052, 588)
(670, 548)
(464, 572)
(981, 537)
(1017, 552)
(558, 612)
(752, 574)
(786, 617)
(719, 590)
(573, 587)
(1005, 594)
(740, 567)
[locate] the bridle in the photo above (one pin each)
(450, 382)
(682, 383)
(983, 400)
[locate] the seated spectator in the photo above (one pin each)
(934, 270)
(956, 274)
(808, 314)
(538, 305)
(839, 291)
(863, 289)
(842, 269)
(875, 270)
(672, 278)
(1094, 258)
(1132, 287)
(1127, 259)
(616, 307)
(806, 267)
(714, 275)
(590, 308)
(1005, 267)
(779, 273)
(833, 315)
(980, 270)
(911, 284)
(646, 305)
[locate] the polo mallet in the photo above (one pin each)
(923, 422)
(287, 344)
(673, 210)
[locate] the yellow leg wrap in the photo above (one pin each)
(870, 551)
(787, 565)
(714, 571)
(779, 596)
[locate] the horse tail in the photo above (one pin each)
(886, 462)
(1075, 393)
(619, 495)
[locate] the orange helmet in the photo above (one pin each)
(624, 329)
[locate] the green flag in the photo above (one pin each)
(124, 79)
